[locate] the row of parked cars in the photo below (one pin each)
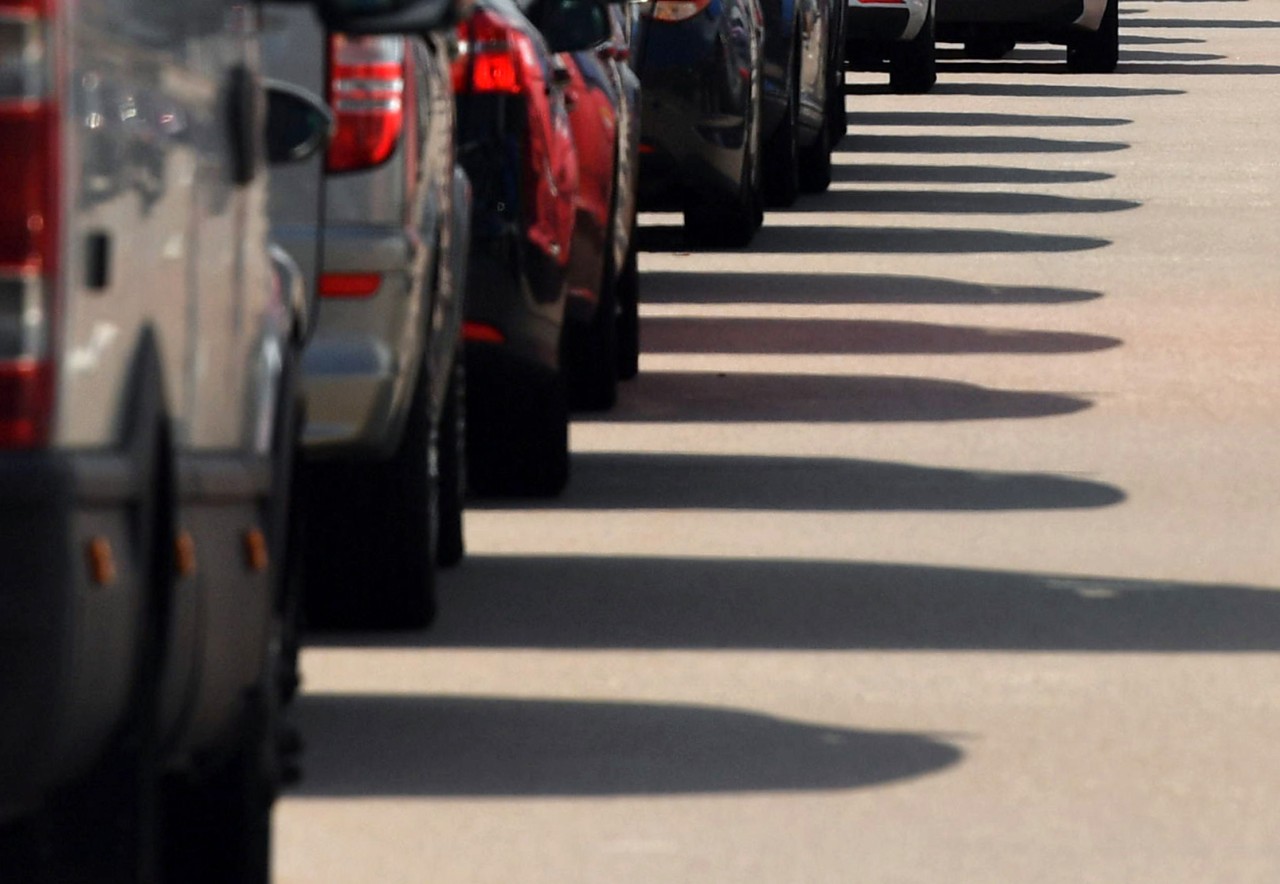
(282, 283)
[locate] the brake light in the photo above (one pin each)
(367, 77)
(349, 285)
(28, 221)
(488, 56)
(678, 10)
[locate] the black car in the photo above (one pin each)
(803, 93)
(701, 68)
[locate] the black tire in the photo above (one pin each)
(629, 316)
(1097, 52)
(518, 435)
(815, 163)
(450, 544)
(913, 65)
(218, 822)
(782, 152)
(989, 49)
(591, 349)
(837, 115)
(371, 532)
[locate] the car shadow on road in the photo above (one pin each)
(688, 334)
(717, 603)
(938, 118)
(810, 239)
(380, 745)
(719, 397)
(947, 202)
(857, 142)
(675, 287)
(941, 174)
(1033, 90)
(633, 481)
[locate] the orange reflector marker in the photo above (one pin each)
(255, 550)
(479, 331)
(184, 554)
(102, 561)
(349, 285)
(647, 148)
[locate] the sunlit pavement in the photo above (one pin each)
(937, 541)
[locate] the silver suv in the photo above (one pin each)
(382, 479)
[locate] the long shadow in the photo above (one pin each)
(1045, 90)
(1053, 60)
(631, 481)
(672, 287)
(703, 603)
(920, 118)
(378, 745)
(804, 239)
(671, 334)
(1217, 23)
(1146, 40)
(940, 174)
(917, 241)
(967, 202)
(826, 399)
(984, 144)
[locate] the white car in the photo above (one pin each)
(896, 33)
(1090, 29)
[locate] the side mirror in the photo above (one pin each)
(391, 16)
(299, 125)
(572, 25)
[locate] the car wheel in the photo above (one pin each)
(629, 316)
(218, 822)
(782, 152)
(815, 163)
(518, 436)
(837, 115)
(1097, 52)
(450, 544)
(371, 532)
(913, 64)
(591, 349)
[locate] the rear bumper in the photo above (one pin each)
(876, 23)
(1022, 16)
(70, 646)
(695, 97)
(516, 300)
(363, 356)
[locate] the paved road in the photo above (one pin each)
(938, 541)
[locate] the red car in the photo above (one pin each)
(517, 145)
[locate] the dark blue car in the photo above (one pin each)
(701, 67)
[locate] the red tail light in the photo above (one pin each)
(367, 77)
(29, 219)
(349, 285)
(489, 56)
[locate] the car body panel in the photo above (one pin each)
(1047, 20)
(182, 325)
(697, 81)
(881, 21)
(518, 152)
(364, 355)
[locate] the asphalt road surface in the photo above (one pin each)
(937, 542)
